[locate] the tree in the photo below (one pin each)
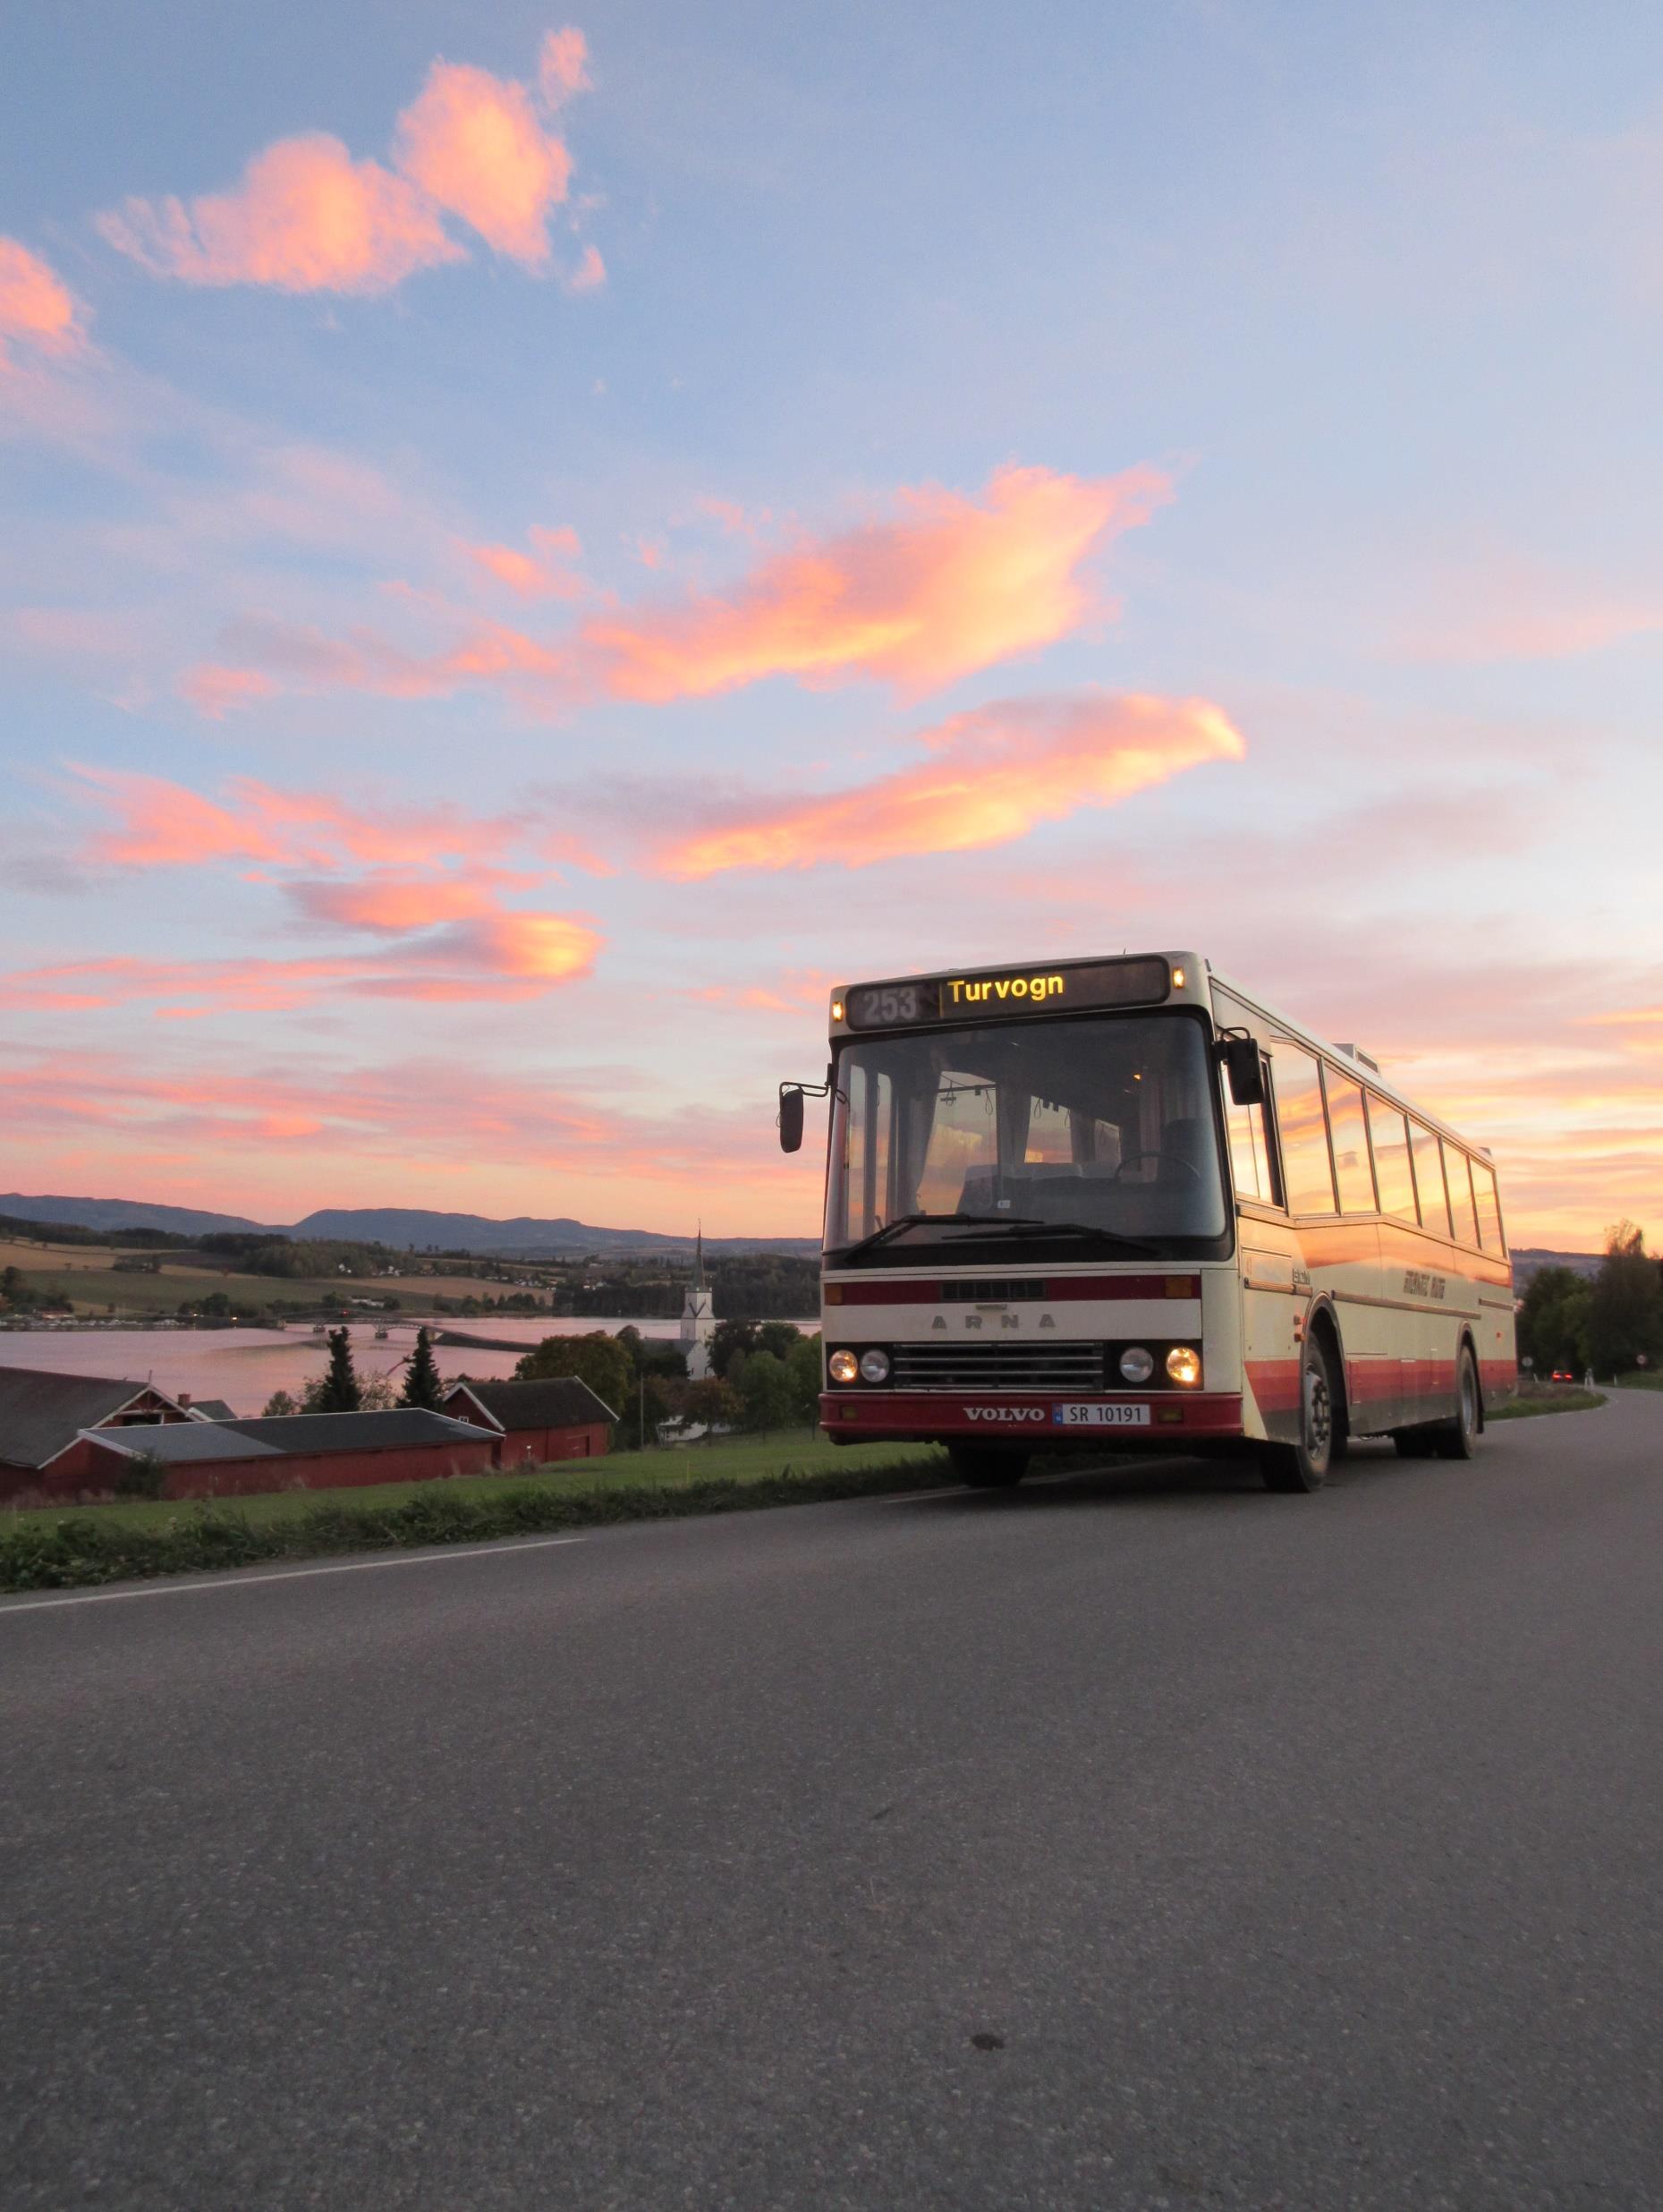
(145, 1476)
(648, 1404)
(778, 1337)
(280, 1403)
(598, 1359)
(1626, 1311)
(766, 1391)
(802, 1372)
(714, 1403)
(1553, 1321)
(726, 1339)
(338, 1387)
(423, 1386)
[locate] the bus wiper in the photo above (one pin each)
(901, 1222)
(1062, 1229)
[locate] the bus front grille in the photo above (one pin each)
(999, 1366)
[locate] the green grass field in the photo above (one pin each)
(741, 1459)
(1534, 1401)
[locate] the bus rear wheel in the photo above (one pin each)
(981, 1469)
(1303, 1467)
(1458, 1439)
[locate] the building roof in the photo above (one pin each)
(211, 1409)
(284, 1434)
(42, 1413)
(552, 1401)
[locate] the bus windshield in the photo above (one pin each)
(1035, 1138)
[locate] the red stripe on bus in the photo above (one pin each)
(1056, 1290)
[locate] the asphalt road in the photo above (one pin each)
(1144, 1840)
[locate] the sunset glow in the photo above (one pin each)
(537, 550)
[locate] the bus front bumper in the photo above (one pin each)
(1038, 1423)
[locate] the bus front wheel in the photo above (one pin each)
(983, 1469)
(1303, 1467)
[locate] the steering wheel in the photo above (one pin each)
(1167, 1160)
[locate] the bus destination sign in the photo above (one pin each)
(1074, 987)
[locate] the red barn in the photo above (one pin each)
(556, 1418)
(45, 1419)
(296, 1451)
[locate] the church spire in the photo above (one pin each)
(699, 1259)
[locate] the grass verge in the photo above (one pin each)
(1522, 1407)
(55, 1550)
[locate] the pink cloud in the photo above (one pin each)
(533, 576)
(540, 676)
(992, 775)
(562, 66)
(306, 218)
(37, 309)
(396, 902)
(951, 586)
(590, 273)
(216, 691)
(472, 142)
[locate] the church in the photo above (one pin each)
(697, 1321)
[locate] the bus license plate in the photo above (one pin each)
(1101, 1416)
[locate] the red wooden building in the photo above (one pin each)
(535, 1423)
(45, 1419)
(295, 1452)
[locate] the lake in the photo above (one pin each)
(245, 1365)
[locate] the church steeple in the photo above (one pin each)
(698, 1321)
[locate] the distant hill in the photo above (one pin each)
(1529, 1260)
(405, 1229)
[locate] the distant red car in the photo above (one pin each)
(1563, 1375)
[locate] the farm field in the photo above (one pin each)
(88, 1276)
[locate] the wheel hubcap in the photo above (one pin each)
(1318, 1419)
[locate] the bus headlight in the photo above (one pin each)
(874, 1367)
(1183, 1365)
(1136, 1364)
(843, 1366)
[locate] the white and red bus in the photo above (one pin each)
(1126, 1199)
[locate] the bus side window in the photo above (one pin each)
(1390, 1133)
(1351, 1144)
(1461, 1206)
(1429, 1180)
(1249, 1161)
(1307, 1169)
(1489, 1207)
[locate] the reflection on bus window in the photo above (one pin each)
(1489, 1207)
(1106, 1128)
(1428, 1179)
(1301, 1124)
(1249, 1161)
(1351, 1146)
(1390, 1132)
(1461, 1206)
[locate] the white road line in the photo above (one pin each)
(911, 1497)
(293, 1574)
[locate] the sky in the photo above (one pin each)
(534, 547)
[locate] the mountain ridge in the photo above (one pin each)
(401, 1227)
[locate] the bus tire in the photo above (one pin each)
(1302, 1468)
(1458, 1439)
(981, 1469)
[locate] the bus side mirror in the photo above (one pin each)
(791, 1117)
(1245, 1070)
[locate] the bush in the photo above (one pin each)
(145, 1476)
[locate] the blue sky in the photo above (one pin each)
(1373, 299)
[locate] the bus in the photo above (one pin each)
(1125, 1201)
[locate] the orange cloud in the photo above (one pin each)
(216, 691)
(951, 586)
(539, 675)
(473, 144)
(306, 218)
(562, 66)
(994, 774)
(37, 308)
(397, 903)
(501, 956)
